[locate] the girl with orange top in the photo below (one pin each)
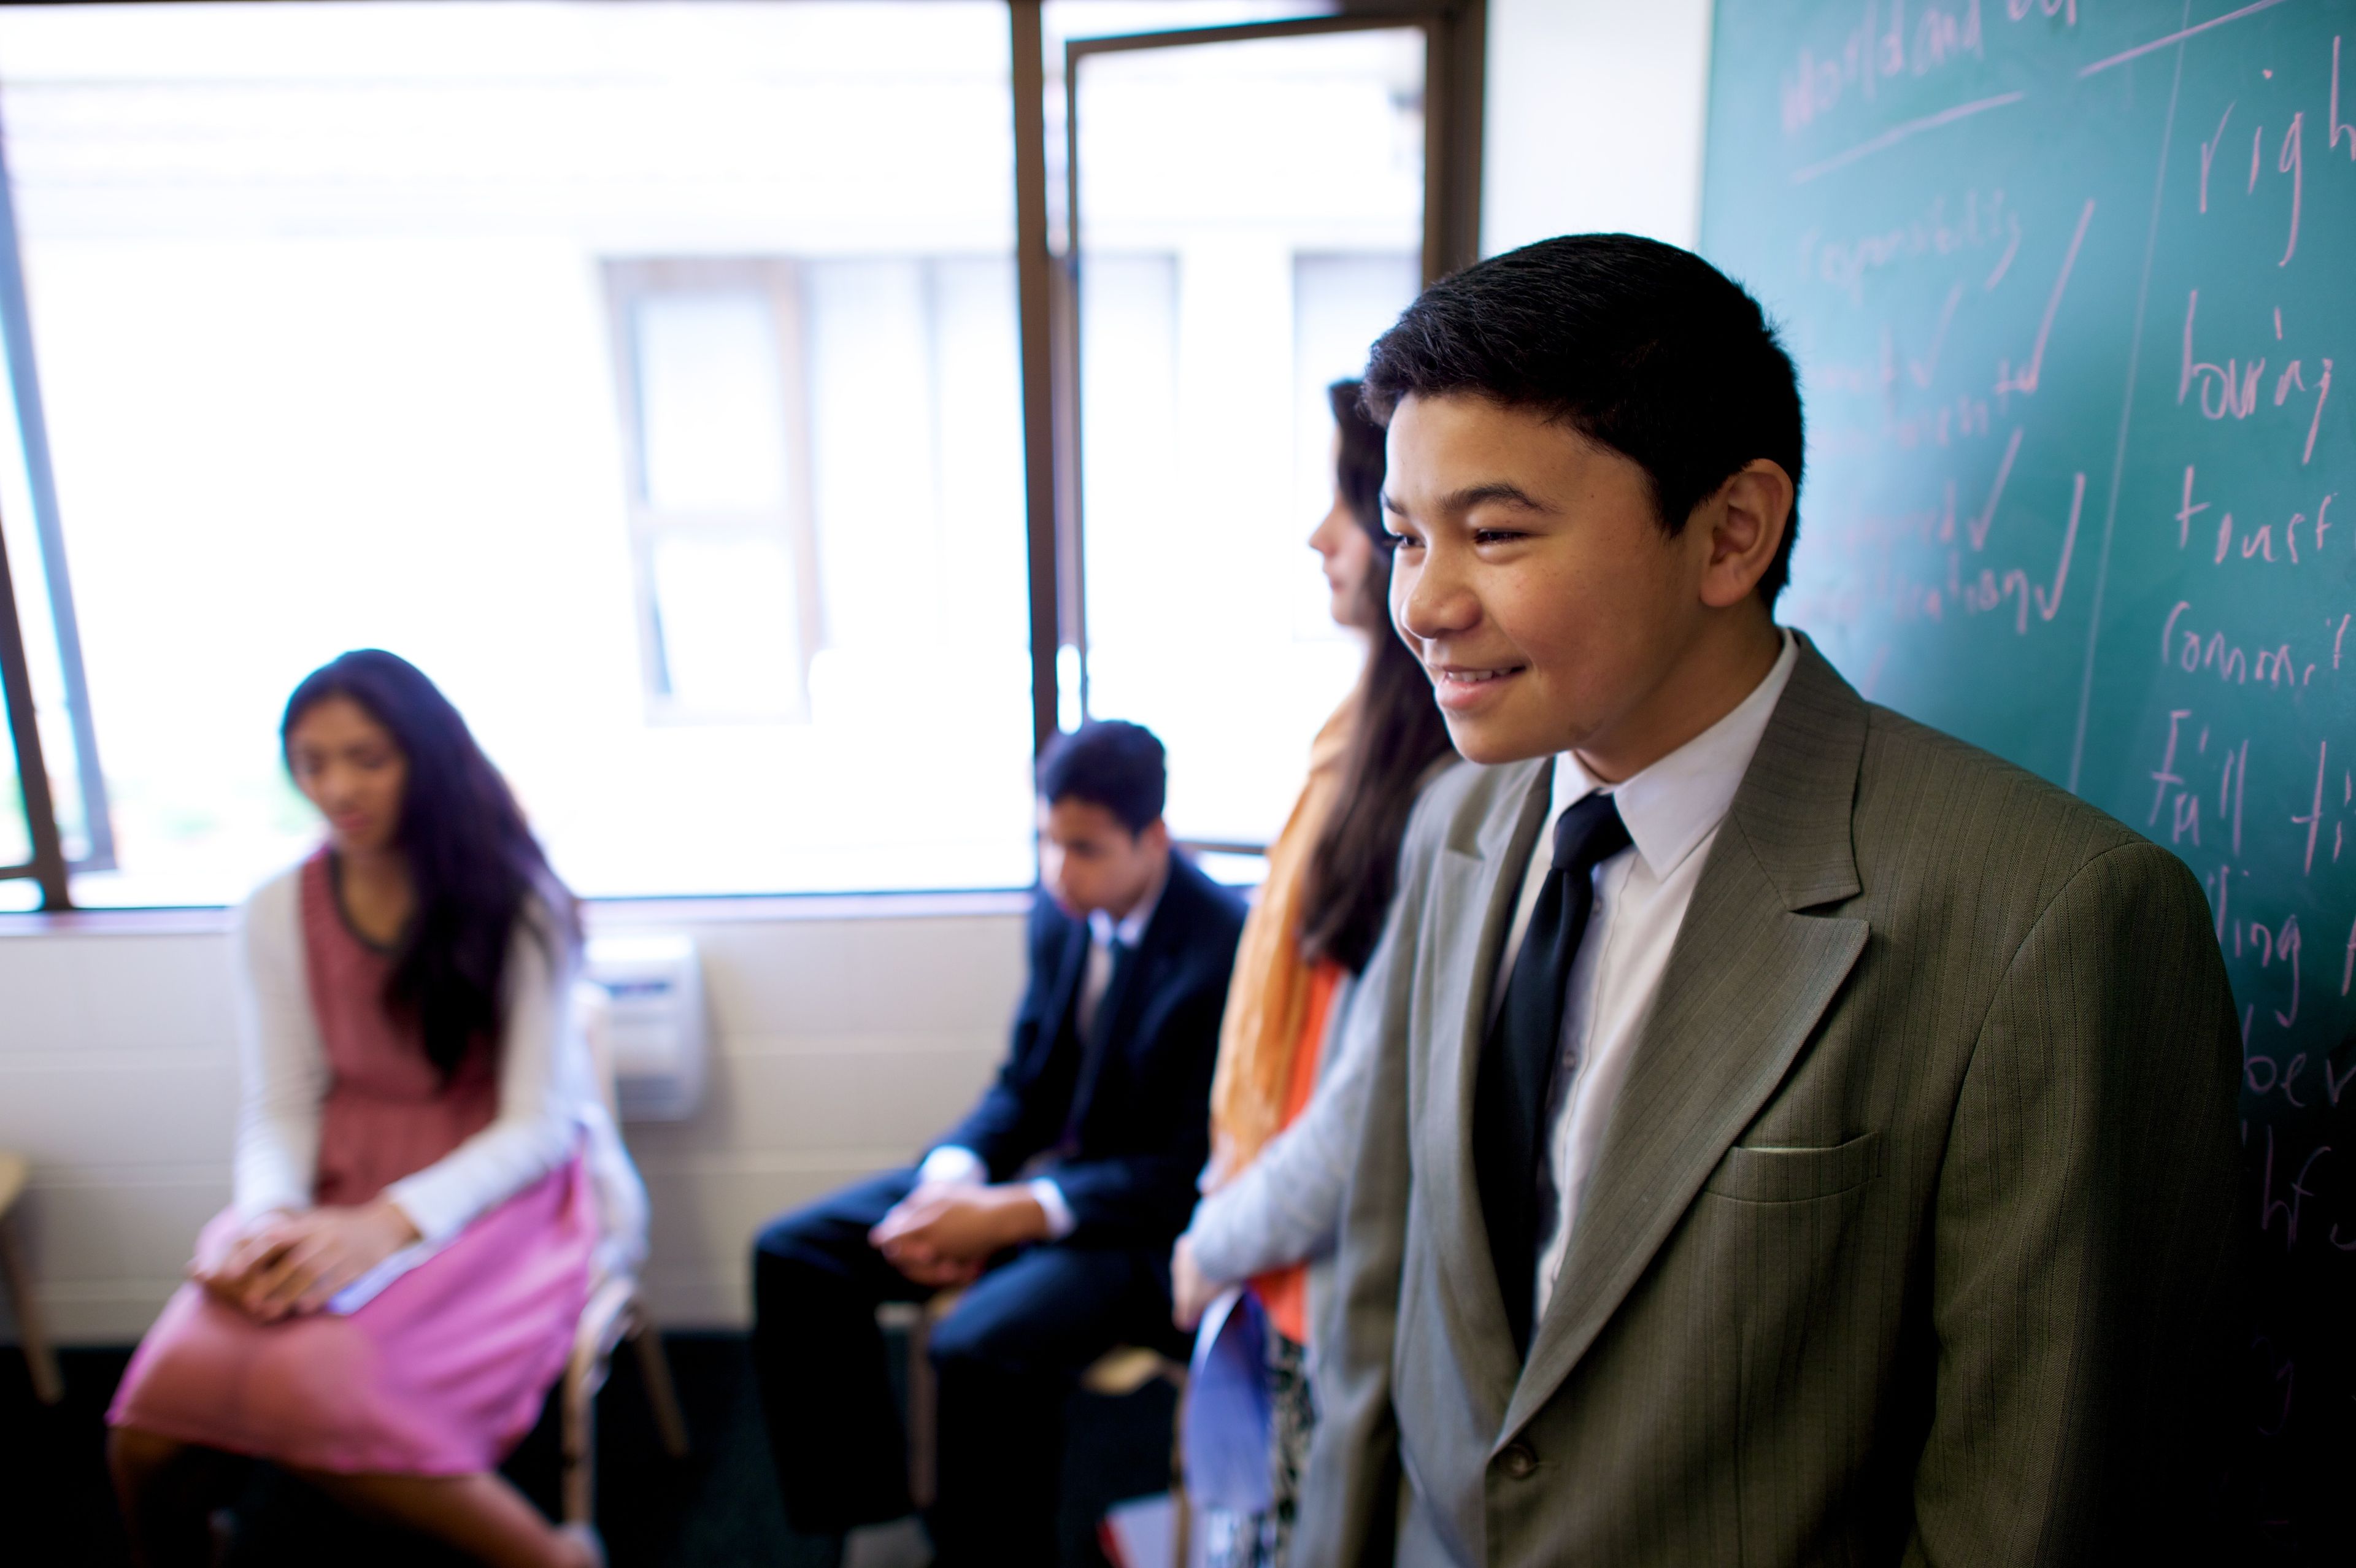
(1287, 1100)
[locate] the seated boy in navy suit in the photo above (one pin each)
(1054, 1204)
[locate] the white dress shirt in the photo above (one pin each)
(1672, 810)
(958, 1166)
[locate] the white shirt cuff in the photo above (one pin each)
(1050, 1199)
(438, 1214)
(953, 1165)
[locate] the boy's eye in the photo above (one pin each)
(1391, 541)
(1494, 536)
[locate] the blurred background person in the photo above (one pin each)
(385, 1306)
(1052, 1206)
(1285, 1102)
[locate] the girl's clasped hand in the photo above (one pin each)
(286, 1264)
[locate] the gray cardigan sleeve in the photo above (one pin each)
(1285, 1207)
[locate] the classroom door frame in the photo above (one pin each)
(1455, 37)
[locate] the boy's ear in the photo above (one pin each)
(1744, 522)
(1155, 836)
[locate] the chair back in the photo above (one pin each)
(622, 1207)
(12, 1180)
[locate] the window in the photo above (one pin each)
(1225, 279)
(678, 384)
(709, 362)
(646, 373)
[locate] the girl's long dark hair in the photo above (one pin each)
(1354, 868)
(473, 863)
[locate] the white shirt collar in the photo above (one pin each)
(1671, 806)
(1131, 928)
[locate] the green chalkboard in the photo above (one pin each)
(2069, 282)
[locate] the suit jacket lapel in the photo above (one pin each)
(1747, 980)
(1477, 887)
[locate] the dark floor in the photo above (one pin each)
(716, 1510)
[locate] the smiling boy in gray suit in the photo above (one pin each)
(1798, 1137)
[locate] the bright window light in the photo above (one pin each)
(647, 373)
(712, 405)
(1226, 277)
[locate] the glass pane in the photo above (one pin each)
(1226, 277)
(711, 404)
(321, 297)
(54, 713)
(1061, 21)
(1128, 420)
(730, 641)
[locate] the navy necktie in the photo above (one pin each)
(1523, 1050)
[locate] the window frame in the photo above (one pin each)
(627, 281)
(47, 865)
(50, 866)
(1048, 343)
(1455, 34)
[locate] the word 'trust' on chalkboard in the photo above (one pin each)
(2069, 283)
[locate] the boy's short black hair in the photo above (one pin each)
(1108, 762)
(1638, 346)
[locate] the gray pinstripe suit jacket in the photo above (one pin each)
(1908, 1239)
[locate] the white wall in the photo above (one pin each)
(847, 1037)
(1595, 119)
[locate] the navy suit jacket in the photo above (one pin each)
(1139, 1114)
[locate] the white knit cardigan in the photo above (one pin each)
(548, 1096)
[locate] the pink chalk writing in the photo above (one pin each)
(1925, 370)
(2339, 127)
(2189, 510)
(2289, 161)
(2047, 603)
(2208, 152)
(2165, 777)
(1984, 219)
(2026, 381)
(1879, 47)
(2182, 646)
(2124, 56)
(2230, 391)
(1977, 529)
(1896, 134)
(2288, 1209)
(2314, 817)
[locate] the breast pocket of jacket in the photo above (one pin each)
(1772, 1175)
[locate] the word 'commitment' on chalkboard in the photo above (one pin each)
(2070, 283)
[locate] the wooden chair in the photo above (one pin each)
(615, 1312)
(41, 1360)
(1121, 1371)
(1118, 1373)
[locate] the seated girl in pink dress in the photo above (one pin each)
(386, 1305)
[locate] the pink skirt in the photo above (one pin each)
(441, 1375)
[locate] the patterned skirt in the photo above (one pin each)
(1264, 1539)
